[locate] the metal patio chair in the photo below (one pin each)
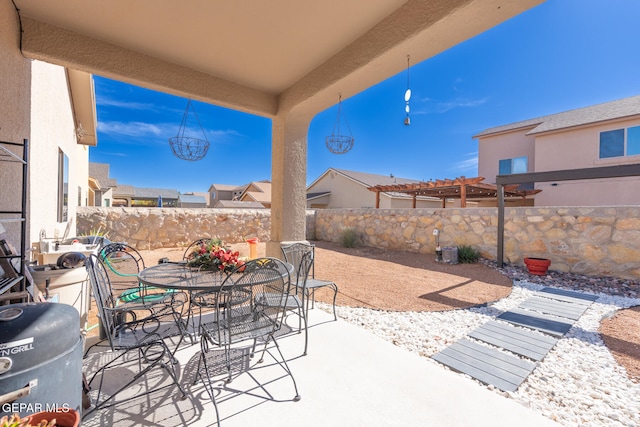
(250, 309)
(134, 327)
(123, 263)
(293, 254)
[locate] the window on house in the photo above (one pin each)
(63, 186)
(510, 166)
(620, 142)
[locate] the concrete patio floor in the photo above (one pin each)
(349, 378)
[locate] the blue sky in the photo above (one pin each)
(561, 55)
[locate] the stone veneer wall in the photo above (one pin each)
(152, 228)
(584, 240)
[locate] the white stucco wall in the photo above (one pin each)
(53, 130)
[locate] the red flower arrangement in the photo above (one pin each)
(213, 255)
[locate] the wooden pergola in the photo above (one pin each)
(459, 188)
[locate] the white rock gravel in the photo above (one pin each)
(578, 383)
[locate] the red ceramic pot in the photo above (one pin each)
(70, 418)
(537, 266)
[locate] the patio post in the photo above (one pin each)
(289, 180)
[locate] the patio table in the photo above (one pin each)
(178, 275)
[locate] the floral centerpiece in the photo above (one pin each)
(214, 255)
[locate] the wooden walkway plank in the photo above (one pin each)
(557, 308)
(569, 296)
(524, 342)
(522, 333)
(539, 321)
(485, 364)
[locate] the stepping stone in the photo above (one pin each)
(567, 296)
(548, 324)
(552, 306)
(486, 364)
(524, 342)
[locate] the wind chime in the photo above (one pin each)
(186, 147)
(407, 96)
(336, 142)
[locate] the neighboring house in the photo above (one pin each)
(606, 134)
(219, 192)
(258, 191)
(154, 197)
(339, 188)
(107, 192)
(100, 185)
(192, 201)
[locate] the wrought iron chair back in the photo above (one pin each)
(134, 326)
(293, 254)
(250, 308)
(123, 263)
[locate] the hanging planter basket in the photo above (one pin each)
(186, 147)
(336, 142)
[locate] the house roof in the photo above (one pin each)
(100, 172)
(613, 110)
(311, 196)
(260, 191)
(192, 198)
(124, 191)
(365, 179)
(152, 193)
(226, 187)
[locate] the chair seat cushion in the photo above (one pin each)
(134, 295)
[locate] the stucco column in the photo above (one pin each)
(289, 180)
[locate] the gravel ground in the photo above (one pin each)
(579, 383)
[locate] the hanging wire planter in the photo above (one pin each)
(186, 147)
(337, 143)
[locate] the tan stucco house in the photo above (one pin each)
(257, 191)
(606, 134)
(340, 188)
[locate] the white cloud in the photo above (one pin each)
(444, 106)
(468, 164)
(136, 129)
(109, 102)
(162, 130)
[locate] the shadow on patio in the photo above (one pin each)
(349, 378)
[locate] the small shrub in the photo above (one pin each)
(349, 237)
(468, 255)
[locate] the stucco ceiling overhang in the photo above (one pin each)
(261, 57)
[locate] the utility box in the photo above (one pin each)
(450, 254)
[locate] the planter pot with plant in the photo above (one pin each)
(537, 266)
(68, 418)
